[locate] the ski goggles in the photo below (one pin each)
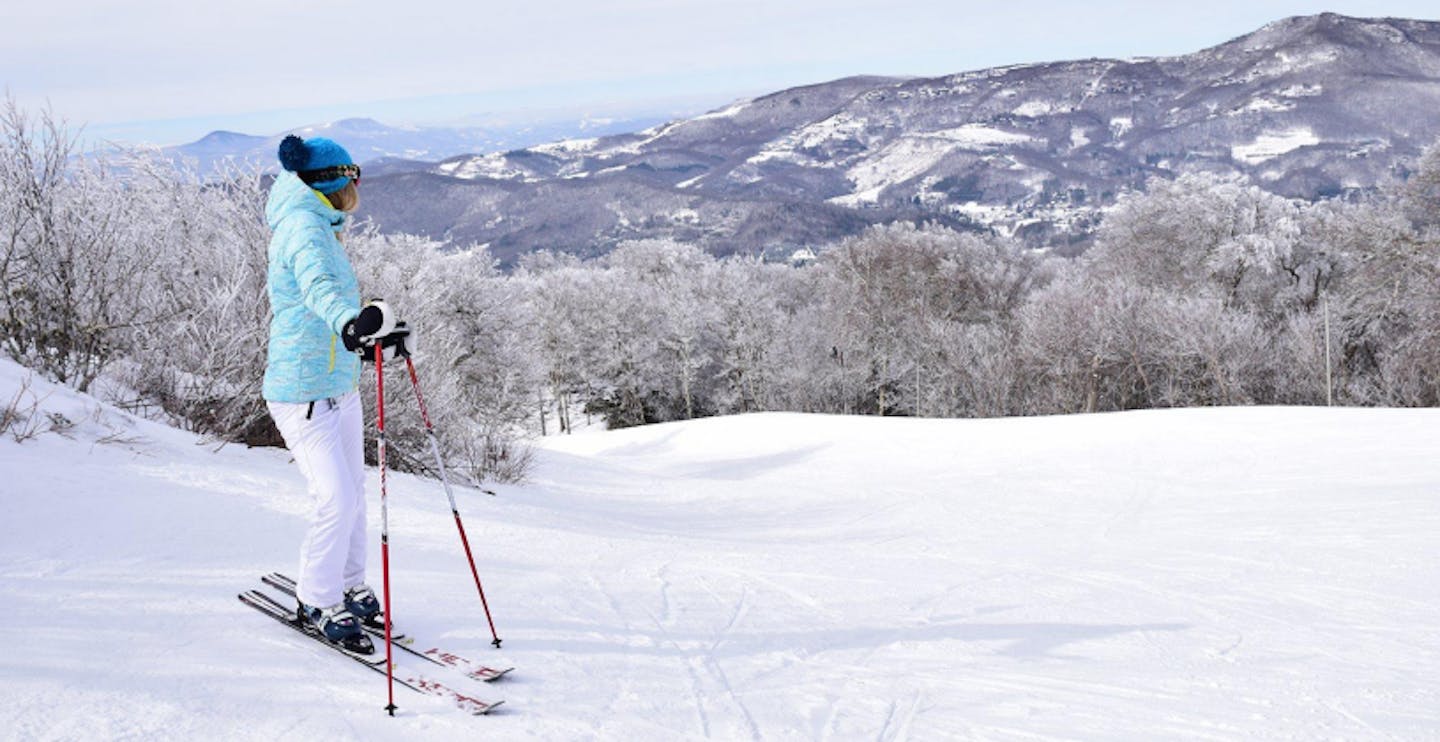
(331, 173)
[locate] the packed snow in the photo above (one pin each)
(1263, 105)
(1215, 574)
(820, 135)
(1034, 108)
(567, 147)
(1310, 58)
(730, 111)
(1271, 145)
(979, 136)
(911, 156)
(495, 166)
(897, 162)
(1301, 91)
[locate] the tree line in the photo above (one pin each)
(1202, 290)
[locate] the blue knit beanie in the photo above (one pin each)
(299, 155)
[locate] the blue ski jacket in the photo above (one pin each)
(313, 293)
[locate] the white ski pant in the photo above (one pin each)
(327, 441)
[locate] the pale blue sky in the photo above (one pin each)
(169, 72)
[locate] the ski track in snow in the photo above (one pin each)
(1219, 574)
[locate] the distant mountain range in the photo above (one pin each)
(388, 147)
(1307, 107)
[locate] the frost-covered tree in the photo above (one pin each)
(1389, 306)
(623, 326)
(202, 356)
(1419, 199)
(555, 290)
(673, 280)
(476, 358)
(1189, 297)
(68, 273)
(752, 307)
(1205, 230)
(897, 297)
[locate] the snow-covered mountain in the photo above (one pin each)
(1234, 574)
(1308, 106)
(387, 148)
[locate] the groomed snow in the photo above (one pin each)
(1215, 574)
(1264, 105)
(912, 156)
(567, 147)
(1301, 91)
(979, 136)
(842, 126)
(1272, 145)
(494, 166)
(1034, 108)
(899, 161)
(734, 109)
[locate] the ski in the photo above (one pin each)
(472, 669)
(272, 608)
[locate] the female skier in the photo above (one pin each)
(319, 334)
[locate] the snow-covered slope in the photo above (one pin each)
(1248, 574)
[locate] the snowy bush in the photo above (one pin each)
(909, 309)
(203, 357)
(475, 358)
(72, 276)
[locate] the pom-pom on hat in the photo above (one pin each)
(307, 156)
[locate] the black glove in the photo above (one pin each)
(376, 324)
(375, 320)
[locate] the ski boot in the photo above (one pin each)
(360, 601)
(338, 626)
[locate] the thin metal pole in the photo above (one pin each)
(454, 510)
(384, 521)
(1329, 385)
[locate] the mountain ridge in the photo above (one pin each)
(370, 141)
(1307, 107)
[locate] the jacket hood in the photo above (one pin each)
(289, 195)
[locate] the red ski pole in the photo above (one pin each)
(445, 480)
(384, 521)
